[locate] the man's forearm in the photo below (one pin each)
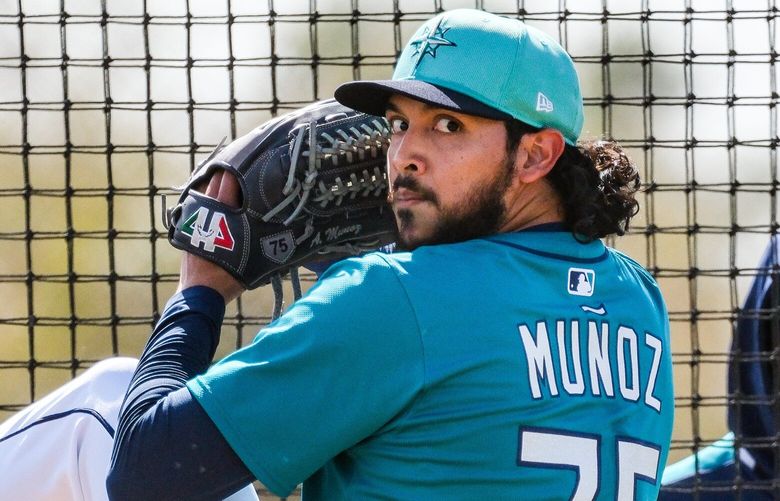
(166, 447)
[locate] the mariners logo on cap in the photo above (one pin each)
(430, 40)
(581, 281)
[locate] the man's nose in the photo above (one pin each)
(407, 154)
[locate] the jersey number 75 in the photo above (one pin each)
(546, 448)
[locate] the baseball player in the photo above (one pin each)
(506, 354)
(713, 473)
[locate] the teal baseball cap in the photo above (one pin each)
(481, 64)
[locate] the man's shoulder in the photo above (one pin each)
(381, 263)
(371, 265)
(641, 273)
(374, 275)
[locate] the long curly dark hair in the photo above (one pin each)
(596, 182)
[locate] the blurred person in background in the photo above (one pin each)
(742, 465)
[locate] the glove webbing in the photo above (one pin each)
(350, 142)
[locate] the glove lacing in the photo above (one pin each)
(350, 142)
(347, 143)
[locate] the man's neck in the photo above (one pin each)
(531, 205)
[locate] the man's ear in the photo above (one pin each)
(537, 154)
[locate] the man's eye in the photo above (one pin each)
(447, 125)
(398, 125)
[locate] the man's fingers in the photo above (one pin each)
(229, 190)
(212, 190)
(222, 186)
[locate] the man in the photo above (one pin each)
(474, 365)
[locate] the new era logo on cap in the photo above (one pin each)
(543, 103)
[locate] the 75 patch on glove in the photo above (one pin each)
(313, 185)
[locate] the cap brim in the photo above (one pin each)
(371, 96)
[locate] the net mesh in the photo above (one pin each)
(106, 105)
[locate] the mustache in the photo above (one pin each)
(411, 184)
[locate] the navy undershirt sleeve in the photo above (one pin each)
(166, 446)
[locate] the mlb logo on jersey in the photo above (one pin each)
(581, 282)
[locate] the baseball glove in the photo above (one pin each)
(314, 187)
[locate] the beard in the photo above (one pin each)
(481, 213)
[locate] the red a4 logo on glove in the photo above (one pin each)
(217, 234)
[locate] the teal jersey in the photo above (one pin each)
(521, 366)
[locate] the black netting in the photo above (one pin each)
(107, 105)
